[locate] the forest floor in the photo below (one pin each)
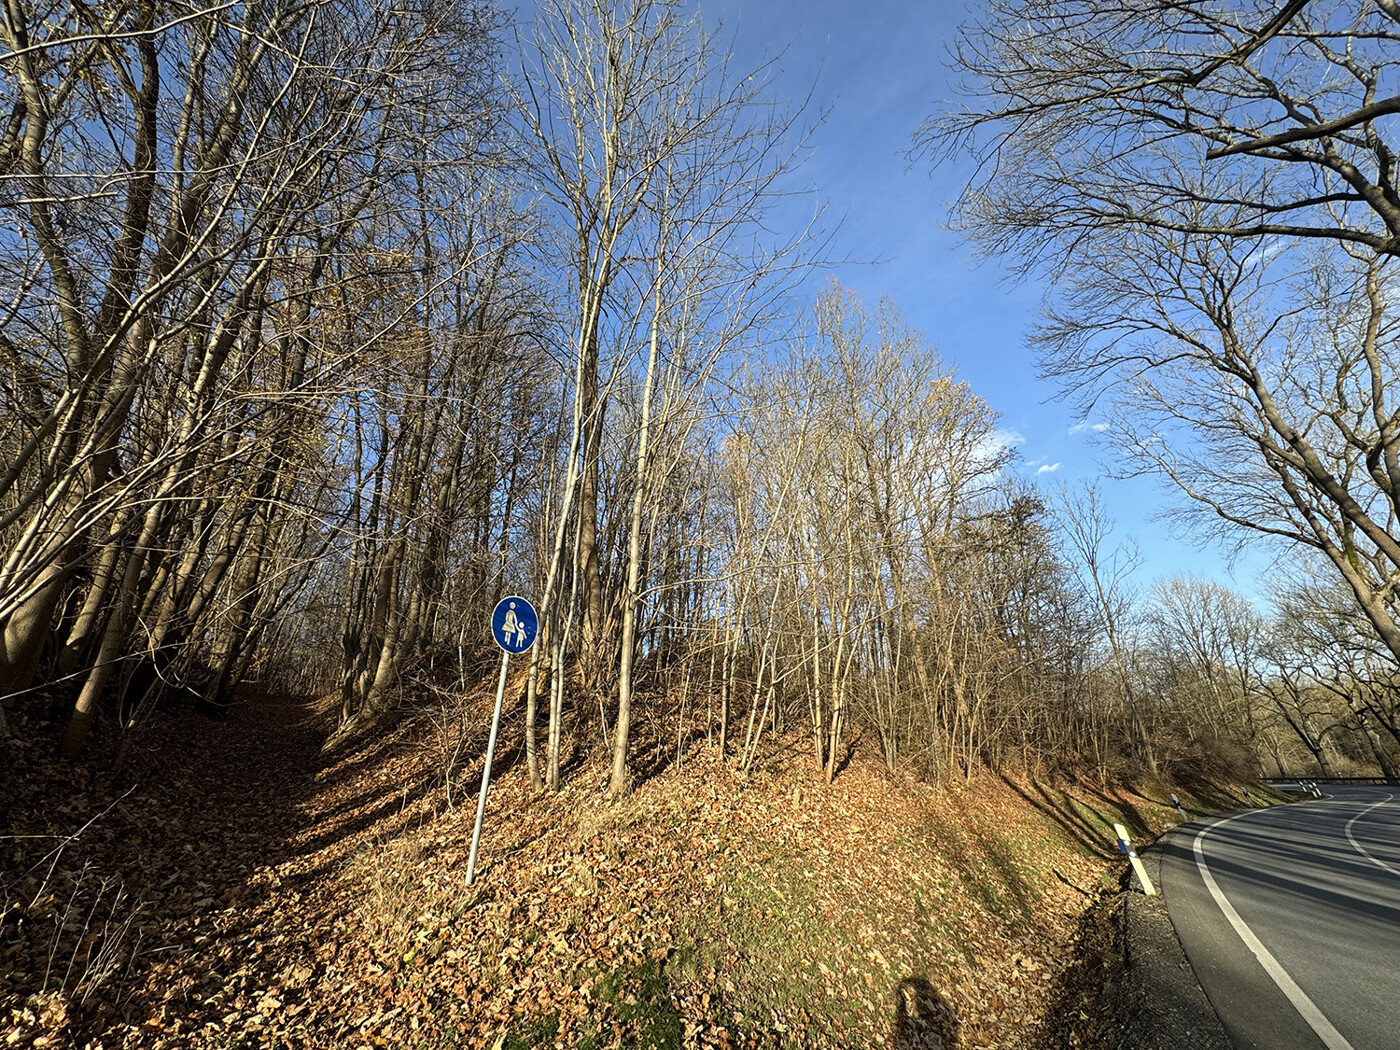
(240, 887)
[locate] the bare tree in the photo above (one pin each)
(1245, 121)
(1105, 574)
(1212, 188)
(1324, 639)
(184, 190)
(656, 159)
(1209, 642)
(865, 492)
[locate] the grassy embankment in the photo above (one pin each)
(710, 908)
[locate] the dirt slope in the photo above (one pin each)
(246, 890)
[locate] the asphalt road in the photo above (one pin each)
(1291, 919)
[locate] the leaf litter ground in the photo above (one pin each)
(243, 888)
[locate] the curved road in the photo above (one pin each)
(1291, 919)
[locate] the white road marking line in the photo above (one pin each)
(1362, 849)
(1316, 1019)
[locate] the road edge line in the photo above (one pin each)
(1362, 849)
(1307, 1009)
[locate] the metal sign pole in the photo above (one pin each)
(486, 769)
(514, 624)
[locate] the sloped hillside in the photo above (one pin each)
(243, 889)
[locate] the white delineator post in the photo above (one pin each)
(1126, 845)
(486, 769)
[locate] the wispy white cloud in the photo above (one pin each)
(1269, 249)
(998, 443)
(1084, 424)
(1048, 468)
(1005, 437)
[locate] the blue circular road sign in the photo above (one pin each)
(514, 624)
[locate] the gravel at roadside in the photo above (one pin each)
(1155, 998)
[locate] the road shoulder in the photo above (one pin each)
(1156, 1000)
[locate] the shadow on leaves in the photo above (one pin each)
(923, 1019)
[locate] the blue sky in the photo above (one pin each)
(880, 67)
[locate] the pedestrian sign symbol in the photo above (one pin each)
(514, 624)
